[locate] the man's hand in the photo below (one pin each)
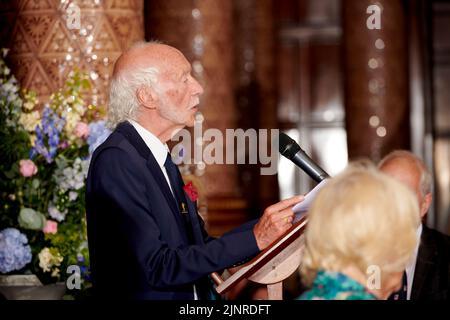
(275, 221)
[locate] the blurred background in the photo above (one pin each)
(311, 68)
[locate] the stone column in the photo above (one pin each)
(376, 86)
(256, 89)
(203, 31)
(47, 39)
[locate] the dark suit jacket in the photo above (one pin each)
(138, 242)
(432, 273)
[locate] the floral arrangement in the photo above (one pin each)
(44, 158)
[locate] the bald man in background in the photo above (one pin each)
(428, 274)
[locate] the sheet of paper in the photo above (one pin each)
(301, 208)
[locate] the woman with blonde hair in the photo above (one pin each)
(361, 234)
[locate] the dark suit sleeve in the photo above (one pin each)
(206, 237)
(248, 226)
(117, 182)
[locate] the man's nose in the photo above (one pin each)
(197, 88)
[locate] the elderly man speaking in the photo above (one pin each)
(143, 241)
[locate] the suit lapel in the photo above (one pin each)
(423, 265)
(128, 131)
(194, 221)
(192, 211)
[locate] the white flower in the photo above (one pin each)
(5, 52)
(8, 86)
(30, 120)
(48, 260)
(73, 196)
(56, 214)
(72, 118)
(79, 108)
(72, 178)
(29, 105)
(45, 258)
(55, 273)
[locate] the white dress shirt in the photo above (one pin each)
(159, 151)
(411, 267)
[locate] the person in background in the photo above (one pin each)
(428, 275)
(361, 234)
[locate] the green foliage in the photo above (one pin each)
(46, 204)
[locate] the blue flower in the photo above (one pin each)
(15, 253)
(48, 131)
(98, 132)
(80, 258)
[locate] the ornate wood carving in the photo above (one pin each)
(45, 47)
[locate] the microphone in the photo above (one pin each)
(291, 150)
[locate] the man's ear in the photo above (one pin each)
(147, 97)
(426, 203)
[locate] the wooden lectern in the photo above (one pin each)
(272, 265)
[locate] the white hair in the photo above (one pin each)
(123, 103)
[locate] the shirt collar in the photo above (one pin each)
(419, 232)
(412, 263)
(158, 149)
(418, 236)
(411, 267)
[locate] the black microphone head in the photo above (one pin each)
(287, 146)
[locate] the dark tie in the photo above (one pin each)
(203, 285)
(177, 184)
(401, 294)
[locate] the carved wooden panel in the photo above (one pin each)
(46, 44)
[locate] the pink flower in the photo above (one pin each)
(81, 130)
(51, 227)
(27, 168)
(63, 145)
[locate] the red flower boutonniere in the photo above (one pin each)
(191, 191)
